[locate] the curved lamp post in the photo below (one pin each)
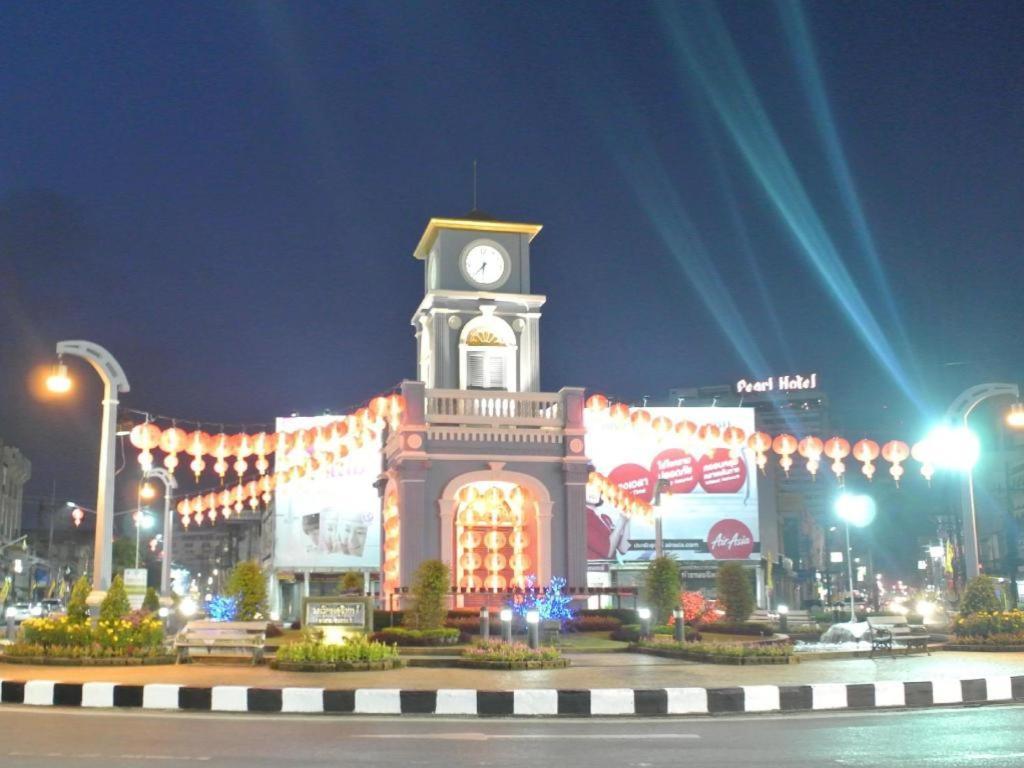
(170, 485)
(114, 383)
(957, 413)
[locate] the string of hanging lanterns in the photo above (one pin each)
(299, 453)
(616, 496)
(706, 438)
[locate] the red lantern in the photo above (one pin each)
(896, 452)
(810, 448)
(196, 445)
(597, 404)
(145, 437)
(837, 449)
(640, 418)
(734, 439)
(866, 451)
(263, 445)
(760, 443)
(661, 426)
(241, 445)
(709, 436)
(687, 432)
(396, 407)
(172, 442)
(785, 445)
(77, 515)
(619, 413)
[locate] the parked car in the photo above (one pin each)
(51, 606)
(19, 612)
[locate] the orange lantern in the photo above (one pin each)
(263, 445)
(686, 431)
(640, 418)
(396, 407)
(785, 445)
(196, 445)
(921, 452)
(661, 426)
(866, 451)
(619, 413)
(252, 493)
(377, 409)
(597, 404)
(734, 439)
(896, 452)
(145, 437)
(760, 443)
(220, 449)
(810, 448)
(709, 435)
(172, 442)
(266, 485)
(837, 449)
(242, 445)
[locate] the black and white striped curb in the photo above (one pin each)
(521, 702)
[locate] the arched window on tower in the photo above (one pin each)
(488, 355)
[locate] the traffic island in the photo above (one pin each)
(57, 661)
(339, 666)
(718, 653)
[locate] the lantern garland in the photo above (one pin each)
(624, 501)
(706, 438)
(299, 454)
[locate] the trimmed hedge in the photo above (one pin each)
(752, 628)
(426, 637)
(630, 633)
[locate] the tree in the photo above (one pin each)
(115, 605)
(351, 582)
(247, 585)
(78, 610)
(980, 596)
(735, 593)
(661, 588)
(429, 591)
(151, 602)
(122, 555)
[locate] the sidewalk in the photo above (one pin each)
(594, 670)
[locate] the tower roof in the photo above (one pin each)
(476, 221)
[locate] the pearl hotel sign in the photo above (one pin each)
(793, 383)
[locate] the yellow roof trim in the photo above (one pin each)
(435, 225)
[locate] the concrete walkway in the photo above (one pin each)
(612, 670)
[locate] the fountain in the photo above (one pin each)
(847, 636)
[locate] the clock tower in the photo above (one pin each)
(478, 326)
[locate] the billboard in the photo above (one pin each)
(330, 522)
(711, 512)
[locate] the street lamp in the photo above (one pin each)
(170, 485)
(661, 488)
(857, 510)
(963, 448)
(114, 382)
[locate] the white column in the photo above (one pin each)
(544, 542)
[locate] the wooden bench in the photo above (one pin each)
(221, 641)
(888, 631)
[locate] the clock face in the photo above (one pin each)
(484, 264)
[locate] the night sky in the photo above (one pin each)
(227, 196)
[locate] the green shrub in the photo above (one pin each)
(661, 588)
(151, 602)
(78, 611)
(247, 585)
(136, 633)
(980, 596)
(630, 633)
(430, 585)
(624, 615)
(753, 628)
(355, 649)
(989, 623)
(735, 592)
(115, 604)
(351, 582)
(730, 650)
(406, 636)
(495, 650)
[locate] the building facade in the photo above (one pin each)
(15, 471)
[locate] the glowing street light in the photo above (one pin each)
(58, 381)
(857, 510)
(1015, 416)
(147, 491)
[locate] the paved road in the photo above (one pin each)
(991, 737)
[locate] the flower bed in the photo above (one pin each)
(136, 638)
(356, 654)
(514, 656)
(78, 656)
(985, 624)
(718, 653)
(425, 637)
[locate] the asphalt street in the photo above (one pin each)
(940, 738)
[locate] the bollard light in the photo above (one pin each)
(680, 626)
(645, 622)
(783, 618)
(533, 628)
(485, 624)
(506, 625)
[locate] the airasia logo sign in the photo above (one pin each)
(730, 540)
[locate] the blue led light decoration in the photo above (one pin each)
(551, 604)
(222, 608)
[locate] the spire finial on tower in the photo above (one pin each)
(474, 184)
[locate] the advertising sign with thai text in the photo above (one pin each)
(708, 505)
